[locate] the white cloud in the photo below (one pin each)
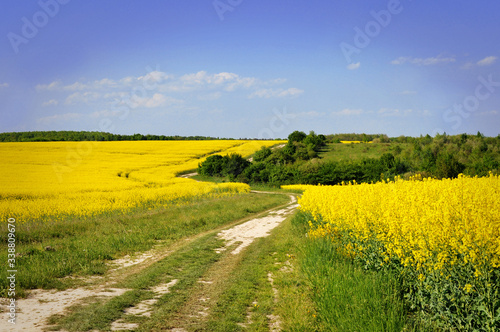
(278, 81)
(229, 81)
(152, 78)
(492, 112)
(422, 61)
(426, 113)
(105, 114)
(105, 82)
(51, 102)
(348, 111)
(394, 112)
(383, 112)
(210, 96)
(156, 100)
(163, 82)
(81, 98)
(388, 112)
(152, 89)
(118, 94)
(354, 66)
(4, 85)
(77, 86)
(59, 118)
(279, 93)
(489, 60)
(243, 82)
(467, 65)
(50, 87)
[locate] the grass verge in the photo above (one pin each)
(186, 265)
(346, 296)
(82, 247)
(266, 290)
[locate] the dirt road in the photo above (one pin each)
(34, 311)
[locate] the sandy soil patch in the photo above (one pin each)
(41, 304)
(143, 308)
(247, 232)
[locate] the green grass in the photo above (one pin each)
(248, 298)
(253, 186)
(339, 151)
(187, 265)
(214, 179)
(239, 280)
(346, 296)
(82, 247)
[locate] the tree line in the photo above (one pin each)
(53, 136)
(298, 161)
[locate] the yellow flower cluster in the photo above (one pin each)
(54, 180)
(441, 236)
(353, 142)
(427, 224)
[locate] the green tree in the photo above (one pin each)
(297, 136)
(235, 165)
(447, 166)
(212, 166)
(262, 154)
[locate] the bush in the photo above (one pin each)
(447, 166)
(217, 165)
(212, 166)
(296, 136)
(262, 154)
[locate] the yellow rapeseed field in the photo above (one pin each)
(442, 235)
(456, 219)
(43, 181)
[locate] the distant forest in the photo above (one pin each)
(72, 136)
(313, 159)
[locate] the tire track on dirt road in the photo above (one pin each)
(42, 304)
(194, 313)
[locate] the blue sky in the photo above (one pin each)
(250, 68)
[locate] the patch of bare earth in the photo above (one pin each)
(194, 313)
(246, 233)
(143, 308)
(32, 312)
(274, 320)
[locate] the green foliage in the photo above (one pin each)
(48, 136)
(308, 161)
(436, 303)
(447, 166)
(212, 166)
(231, 165)
(347, 296)
(262, 154)
(234, 165)
(313, 141)
(296, 136)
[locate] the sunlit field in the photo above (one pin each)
(442, 237)
(43, 182)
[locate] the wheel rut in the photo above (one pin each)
(35, 310)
